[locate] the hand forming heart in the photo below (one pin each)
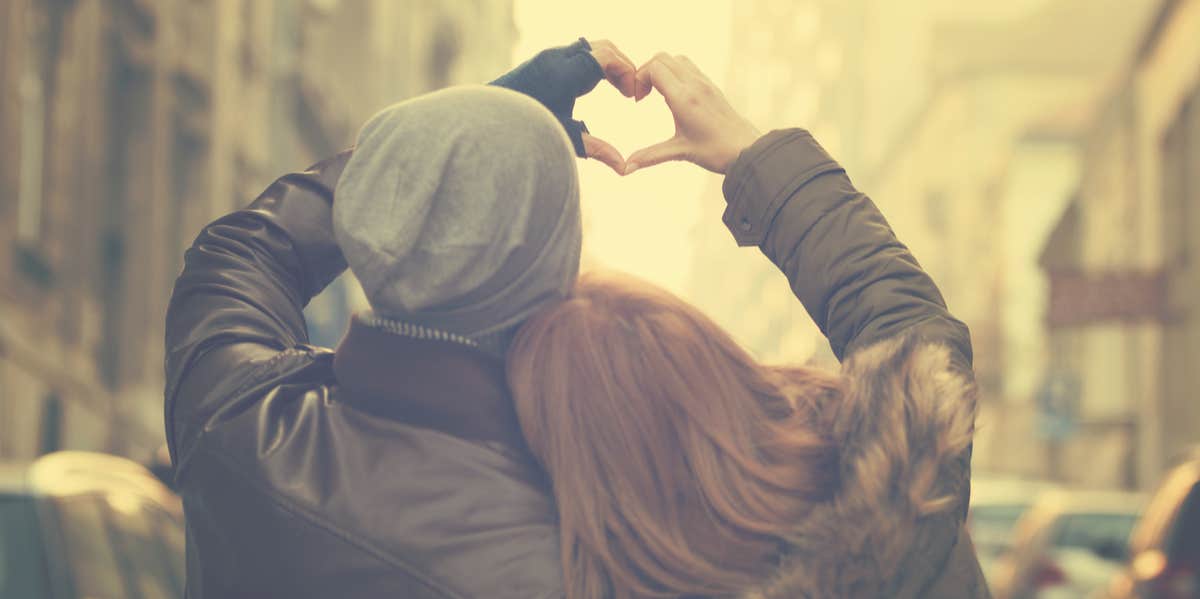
(621, 73)
(708, 131)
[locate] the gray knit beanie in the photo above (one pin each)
(459, 210)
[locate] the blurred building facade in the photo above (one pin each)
(974, 179)
(129, 124)
(1123, 309)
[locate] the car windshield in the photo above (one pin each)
(119, 545)
(22, 561)
(153, 561)
(1105, 534)
(88, 547)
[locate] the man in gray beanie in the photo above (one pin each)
(393, 466)
(465, 225)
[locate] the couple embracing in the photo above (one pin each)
(500, 426)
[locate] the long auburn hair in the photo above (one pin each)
(678, 462)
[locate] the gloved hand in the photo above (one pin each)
(557, 76)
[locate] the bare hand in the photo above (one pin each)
(603, 151)
(618, 69)
(708, 131)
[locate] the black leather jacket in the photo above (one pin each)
(393, 468)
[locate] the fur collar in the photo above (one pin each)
(905, 425)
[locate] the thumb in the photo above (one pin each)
(675, 148)
(603, 151)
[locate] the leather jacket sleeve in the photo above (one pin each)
(239, 301)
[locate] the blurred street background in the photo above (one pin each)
(1040, 158)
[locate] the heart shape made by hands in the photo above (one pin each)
(708, 131)
(620, 124)
(621, 72)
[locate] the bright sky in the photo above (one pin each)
(638, 224)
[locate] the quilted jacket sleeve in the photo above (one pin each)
(861, 286)
(857, 281)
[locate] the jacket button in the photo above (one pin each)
(745, 224)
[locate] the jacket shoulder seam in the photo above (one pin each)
(254, 376)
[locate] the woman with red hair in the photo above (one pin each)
(683, 467)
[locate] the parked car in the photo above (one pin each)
(76, 524)
(1165, 546)
(997, 503)
(1069, 544)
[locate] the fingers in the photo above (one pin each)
(618, 69)
(675, 148)
(685, 64)
(608, 46)
(603, 151)
(659, 73)
(621, 54)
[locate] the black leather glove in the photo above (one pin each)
(555, 77)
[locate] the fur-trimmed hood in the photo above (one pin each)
(894, 527)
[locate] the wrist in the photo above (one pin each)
(741, 138)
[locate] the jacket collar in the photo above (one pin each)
(430, 383)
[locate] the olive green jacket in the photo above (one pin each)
(895, 527)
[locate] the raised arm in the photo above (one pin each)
(788, 196)
(906, 422)
(239, 301)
